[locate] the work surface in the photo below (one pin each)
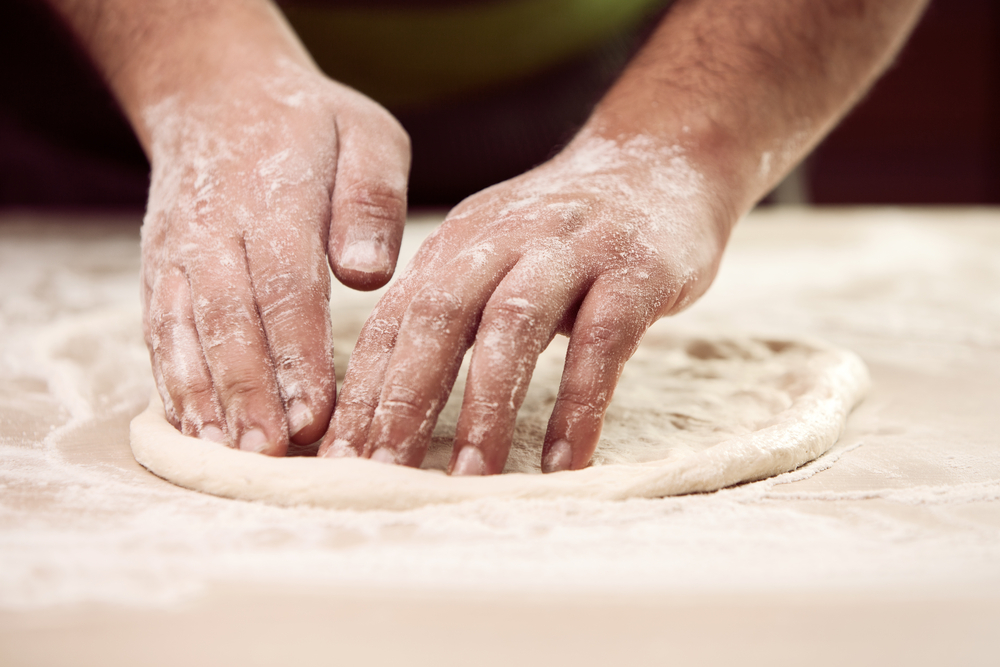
(884, 551)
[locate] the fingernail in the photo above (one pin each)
(365, 256)
(254, 440)
(469, 462)
(299, 417)
(560, 457)
(213, 433)
(383, 456)
(338, 449)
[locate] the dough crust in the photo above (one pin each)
(691, 414)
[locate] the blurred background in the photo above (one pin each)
(928, 133)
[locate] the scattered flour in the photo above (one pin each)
(81, 522)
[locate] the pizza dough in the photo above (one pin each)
(691, 414)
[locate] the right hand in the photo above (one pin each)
(258, 180)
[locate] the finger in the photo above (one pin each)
(359, 396)
(517, 324)
(608, 328)
(362, 384)
(179, 365)
(232, 338)
(369, 199)
(437, 329)
(292, 291)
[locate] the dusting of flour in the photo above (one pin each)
(81, 522)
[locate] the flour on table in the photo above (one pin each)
(692, 413)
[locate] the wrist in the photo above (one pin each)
(196, 51)
(724, 165)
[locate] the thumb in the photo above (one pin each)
(369, 200)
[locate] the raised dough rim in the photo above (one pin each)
(804, 431)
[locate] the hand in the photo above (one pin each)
(598, 243)
(256, 180)
(261, 165)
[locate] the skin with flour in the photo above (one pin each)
(264, 170)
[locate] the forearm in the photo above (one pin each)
(747, 87)
(151, 49)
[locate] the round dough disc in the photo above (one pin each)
(690, 414)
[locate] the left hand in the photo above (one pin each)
(597, 243)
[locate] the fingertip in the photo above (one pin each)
(469, 462)
(212, 433)
(337, 449)
(383, 455)
(365, 265)
(299, 417)
(559, 457)
(348, 432)
(367, 256)
(254, 440)
(304, 426)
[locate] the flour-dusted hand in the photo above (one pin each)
(626, 225)
(250, 193)
(264, 173)
(598, 243)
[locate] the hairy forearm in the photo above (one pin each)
(751, 85)
(150, 49)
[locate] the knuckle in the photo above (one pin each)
(199, 392)
(377, 333)
(608, 344)
(198, 405)
(277, 296)
(513, 333)
(435, 308)
(482, 406)
(377, 202)
(166, 330)
(356, 405)
(225, 321)
(286, 360)
(240, 388)
(605, 337)
(514, 312)
(583, 404)
(402, 402)
(288, 300)
(280, 283)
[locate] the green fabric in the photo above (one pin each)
(407, 57)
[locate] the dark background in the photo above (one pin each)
(928, 133)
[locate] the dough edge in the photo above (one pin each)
(808, 428)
